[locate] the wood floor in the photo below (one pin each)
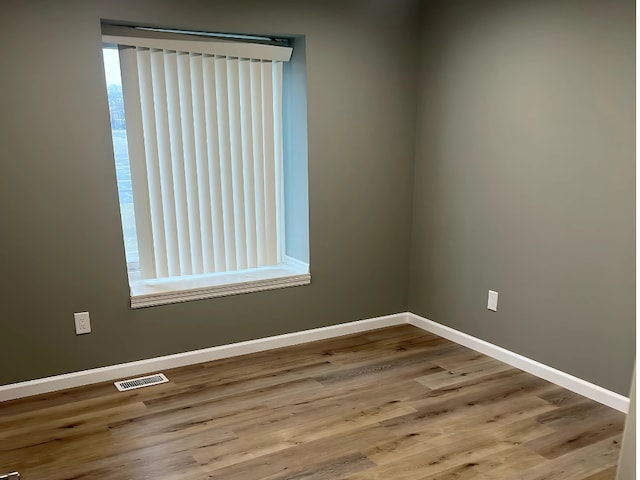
(390, 404)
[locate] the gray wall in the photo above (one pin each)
(524, 179)
(61, 246)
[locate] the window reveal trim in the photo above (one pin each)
(148, 293)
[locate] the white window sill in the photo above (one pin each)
(148, 293)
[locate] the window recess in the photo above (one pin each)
(204, 141)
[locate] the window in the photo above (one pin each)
(197, 127)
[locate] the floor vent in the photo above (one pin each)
(140, 382)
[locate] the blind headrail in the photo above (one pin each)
(196, 42)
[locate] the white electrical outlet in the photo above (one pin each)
(492, 302)
(83, 322)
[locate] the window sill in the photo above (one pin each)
(148, 293)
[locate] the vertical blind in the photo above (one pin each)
(204, 134)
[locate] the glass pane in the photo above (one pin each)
(121, 154)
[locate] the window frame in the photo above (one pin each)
(159, 291)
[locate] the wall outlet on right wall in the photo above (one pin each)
(492, 302)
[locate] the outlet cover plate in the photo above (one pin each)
(83, 323)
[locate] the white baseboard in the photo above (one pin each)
(575, 384)
(115, 372)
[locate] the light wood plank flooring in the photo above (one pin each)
(390, 404)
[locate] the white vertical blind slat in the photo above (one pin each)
(194, 257)
(201, 175)
(258, 164)
(145, 85)
(278, 159)
(247, 162)
(214, 162)
(164, 159)
(177, 162)
(226, 180)
(236, 162)
(269, 163)
(137, 163)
